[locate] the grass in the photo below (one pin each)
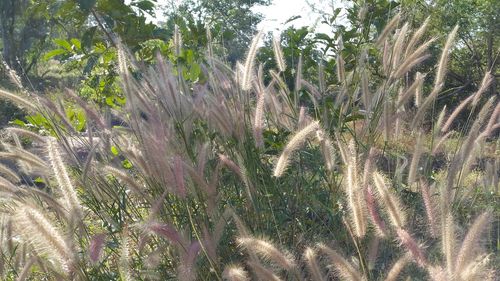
(238, 180)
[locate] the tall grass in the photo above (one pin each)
(192, 180)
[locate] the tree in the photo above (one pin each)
(232, 22)
(476, 51)
(24, 29)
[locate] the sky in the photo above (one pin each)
(282, 10)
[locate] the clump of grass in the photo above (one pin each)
(196, 174)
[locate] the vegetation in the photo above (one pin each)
(172, 162)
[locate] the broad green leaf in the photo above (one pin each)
(54, 53)
(63, 43)
(87, 38)
(19, 123)
(76, 43)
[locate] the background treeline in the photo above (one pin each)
(53, 44)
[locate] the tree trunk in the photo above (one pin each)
(7, 20)
(491, 61)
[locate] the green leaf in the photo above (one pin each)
(194, 72)
(19, 123)
(54, 53)
(323, 36)
(114, 150)
(81, 121)
(76, 43)
(110, 101)
(91, 62)
(87, 38)
(38, 180)
(145, 5)
(126, 164)
(63, 43)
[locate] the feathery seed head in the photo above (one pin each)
(310, 257)
(96, 247)
(71, 201)
(248, 69)
(41, 233)
(390, 202)
(267, 250)
(295, 142)
(278, 54)
(235, 273)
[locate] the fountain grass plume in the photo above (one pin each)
(310, 257)
(485, 84)
(448, 242)
(295, 143)
(487, 79)
(438, 80)
(263, 273)
(235, 273)
(267, 251)
(418, 83)
(9, 174)
(26, 133)
(355, 193)
(372, 207)
(389, 27)
(390, 202)
(417, 57)
(397, 49)
(397, 267)
(24, 157)
(41, 233)
(468, 247)
(96, 247)
(443, 61)
(414, 166)
(344, 268)
(70, 197)
(6, 185)
(340, 62)
(247, 71)
(20, 101)
(298, 75)
(429, 208)
(416, 37)
(278, 54)
(124, 261)
(412, 246)
(258, 121)
(327, 149)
